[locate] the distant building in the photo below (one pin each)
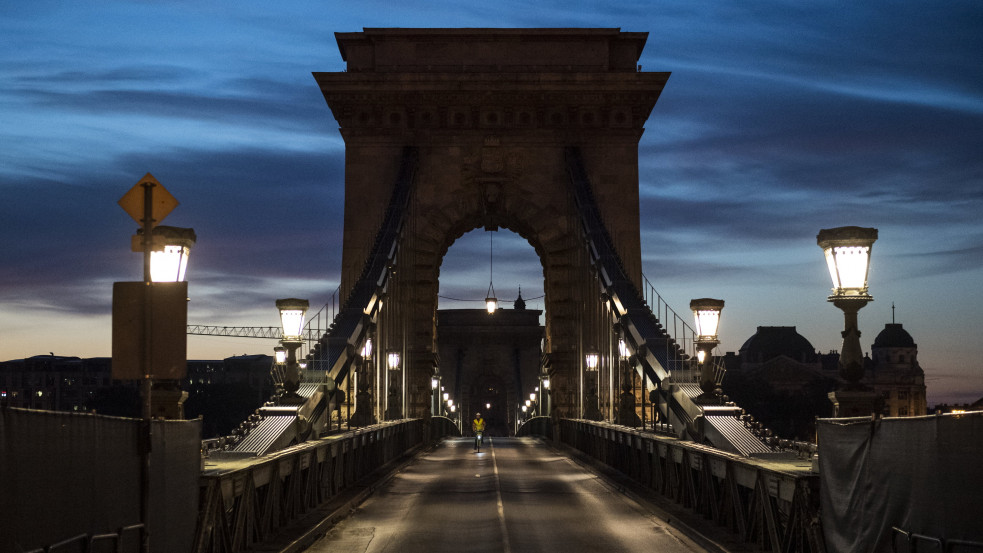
(224, 392)
(490, 363)
(779, 378)
(894, 372)
(54, 382)
(956, 408)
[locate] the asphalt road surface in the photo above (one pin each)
(515, 496)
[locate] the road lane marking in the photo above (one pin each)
(506, 547)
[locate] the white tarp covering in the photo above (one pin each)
(923, 475)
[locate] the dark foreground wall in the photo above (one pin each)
(921, 475)
(65, 474)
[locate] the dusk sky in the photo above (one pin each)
(780, 118)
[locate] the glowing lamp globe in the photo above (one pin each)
(591, 358)
(847, 251)
(706, 314)
(623, 348)
(292, 313)
(170, 248)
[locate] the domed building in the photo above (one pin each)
(783, 357)
(893, 371)
(778, 377)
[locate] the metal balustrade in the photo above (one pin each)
(772, 503)
(246, 501)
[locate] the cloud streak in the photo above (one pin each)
(780, 118)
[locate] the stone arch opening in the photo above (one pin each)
(546, 226)
(489, 362)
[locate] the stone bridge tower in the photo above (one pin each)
(491, 113)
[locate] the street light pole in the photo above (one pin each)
(591, 411)
(292, 313)
(364, 415)
(706, 312)
(149, 319)
(394, 400)
(847, 251)
(626, 406)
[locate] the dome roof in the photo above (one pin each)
(773, 341)
(894, 336)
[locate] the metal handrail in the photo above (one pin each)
(680, 331)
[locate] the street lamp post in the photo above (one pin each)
(363, 415)
(591, 411)
(847, 251)
(546, 393)
(292, 314)
(434, 385)
(394, 410)
(706, 314)
(626, 406)
(149, 320)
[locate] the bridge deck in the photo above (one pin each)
(515, 495)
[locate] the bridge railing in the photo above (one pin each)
(771, 502)
(674, 325)
(536, 426)
(244, 502)
(317, 324)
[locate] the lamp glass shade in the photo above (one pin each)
(591, 358)
(292, 313)
(848, 267)
(701, 355)
(169, 264)
(280, 354)
(491, 304)
(446, 396)
(393, 359)
(532, 396)
(707, 322)
(706, 315)
(847, 252)
(622, 348)
(524, 408)
(170, 248)
(546, 383)
(433, 383)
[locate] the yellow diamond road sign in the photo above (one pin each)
(161, 201)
